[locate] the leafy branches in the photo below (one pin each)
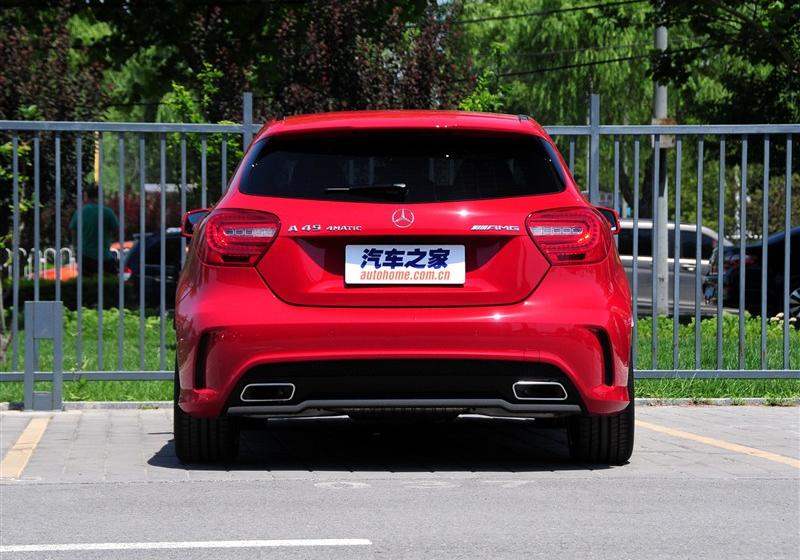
(360, 54)
(755, 71)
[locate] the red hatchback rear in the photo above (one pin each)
(403, 263)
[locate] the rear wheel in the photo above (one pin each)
(794, 304)
(203, 440)
(603, 439)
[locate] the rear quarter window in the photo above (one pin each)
(432, 167)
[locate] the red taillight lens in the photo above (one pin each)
(733, 261)
(570, 235)
(238, 237)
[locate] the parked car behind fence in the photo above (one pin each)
(753, 266)
(688, 263)
(151, 275)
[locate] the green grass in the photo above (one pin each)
(89, 330)
(771, 389)
(708, 342)
(97, 390)
(775, 390)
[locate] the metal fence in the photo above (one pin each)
(624, 159)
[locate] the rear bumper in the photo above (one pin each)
(577, 328)
(488, 407)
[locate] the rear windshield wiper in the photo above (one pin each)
(399, 189)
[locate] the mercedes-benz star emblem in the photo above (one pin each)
(403, 217)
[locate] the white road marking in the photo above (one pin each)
(430, 484)
(342, 485)
(510, 483)
(82, 547)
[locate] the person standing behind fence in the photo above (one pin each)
(91, 237)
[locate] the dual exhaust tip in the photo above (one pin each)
(539, 391)
(523, 391)
(267, 392)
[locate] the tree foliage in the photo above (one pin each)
(746, 67)
(44, 75)
(295, 56)
(362, 54)
(488, 96)
(552, 55)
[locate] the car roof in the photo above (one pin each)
(169, 232)
(409, 120)
(780, 236)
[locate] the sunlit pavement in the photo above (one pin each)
(712, 482)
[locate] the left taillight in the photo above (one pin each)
(233, 237)
(570, 235)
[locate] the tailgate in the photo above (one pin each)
(306, 264)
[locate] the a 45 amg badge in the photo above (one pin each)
(318, 227)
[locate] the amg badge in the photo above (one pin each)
(494, 228)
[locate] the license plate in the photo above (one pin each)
(404, 264)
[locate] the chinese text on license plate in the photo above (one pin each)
(404, 264)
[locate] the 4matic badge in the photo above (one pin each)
(318, 227)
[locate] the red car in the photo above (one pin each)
(418, 263)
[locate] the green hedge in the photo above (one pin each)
(69, 292)
(90, 329)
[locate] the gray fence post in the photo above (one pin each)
(594, 149)
(247, 119)
(44, 320)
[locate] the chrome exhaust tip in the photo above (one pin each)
(267, 392)
(539, 391)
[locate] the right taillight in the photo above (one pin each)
(570, 235)
(233, 237)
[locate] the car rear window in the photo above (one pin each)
(431, 167)
(152, 255)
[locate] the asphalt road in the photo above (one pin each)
(704, 482)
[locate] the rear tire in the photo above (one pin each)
(794, 304)
(204, 440)
(603, 439)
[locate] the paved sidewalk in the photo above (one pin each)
(706, 482)
(11, 426)
(136, 445)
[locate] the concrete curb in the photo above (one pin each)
(99, 405)
(793, 401)
(143, 405)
